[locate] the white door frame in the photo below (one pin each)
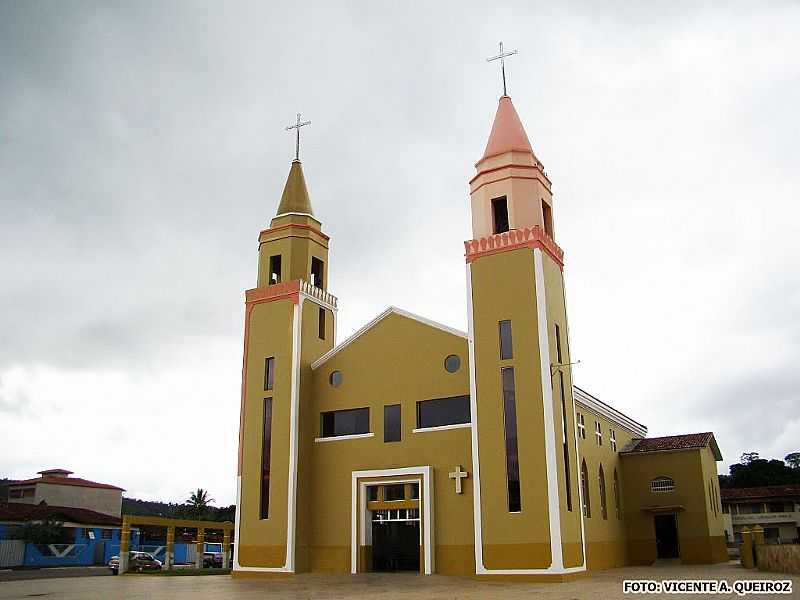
(422, 474)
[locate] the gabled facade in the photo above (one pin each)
(414, 446)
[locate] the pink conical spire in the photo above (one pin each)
(507, 132)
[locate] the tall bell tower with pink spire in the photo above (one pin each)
(527, 506)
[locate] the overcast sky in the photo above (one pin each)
(142, 150)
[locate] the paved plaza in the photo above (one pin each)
(383, 586)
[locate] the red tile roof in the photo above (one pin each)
(55, 480)
(770, 491)
(686, 441)
(18, 511)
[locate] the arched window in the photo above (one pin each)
(587, 504)
(602, 481)
(617, 506)
(661, 485)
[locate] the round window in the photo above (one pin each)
(336, 378)
(452, 363)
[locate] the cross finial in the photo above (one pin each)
(502, 57)
(297, 127)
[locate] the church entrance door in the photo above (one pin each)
(396, 540)
(666, 536)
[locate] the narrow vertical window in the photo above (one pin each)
(581, 426)
(322, 323)
(587, 504)
(601, 478)
(274, 269)
(500, 214)
(547, 218)
(391, 423)
(565, 442)
(506, 343)
(617, 505)
(317, 267)
(512, 453)
(266, 445)
(598, 433)
(269, 373)
(613, 439)
(564, 429)
(558, 346)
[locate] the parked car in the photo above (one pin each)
(137, 561)
(212, 559)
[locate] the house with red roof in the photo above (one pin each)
(776, 508)
(56, 487)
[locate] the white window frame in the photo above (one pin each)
(613, 439)
(598, 433)
(662, 485)
(581, 426)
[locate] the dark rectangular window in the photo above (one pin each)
(274, 269)
(512, 453)
(506, 344)
(345, 422)
(443, 411)
(322, 323)
(394, 492)
(317, 267)
(266, 452)
(558, 345)
(565, 439)
(414, 491)
(547, 218)
(106, 534)
(269, 373)
(391, 423)
(372, 493)
(500, 214)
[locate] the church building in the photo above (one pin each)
(414, 446)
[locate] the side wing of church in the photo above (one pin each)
(414, 446)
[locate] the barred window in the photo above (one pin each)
(661, 485)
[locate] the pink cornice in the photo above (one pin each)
(527, 237)
(278, 291)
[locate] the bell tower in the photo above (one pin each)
(527, 508)
(289, 323)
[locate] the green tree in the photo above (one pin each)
(748, 457)
(199, 502)
(793, 460)
(48, 531)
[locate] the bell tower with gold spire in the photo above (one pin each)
(527, 510)
(289, 323)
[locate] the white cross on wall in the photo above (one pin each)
(458, 475)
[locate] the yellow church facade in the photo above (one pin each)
(414, 446)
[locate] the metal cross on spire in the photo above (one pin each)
(502, 57)
(297, 127)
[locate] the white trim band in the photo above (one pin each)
(442, 427)
(336, 438)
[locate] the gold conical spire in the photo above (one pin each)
(295, 193)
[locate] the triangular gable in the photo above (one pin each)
(389, 311)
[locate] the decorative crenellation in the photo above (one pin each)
(527, 237)
(323, 297)
(290, 290)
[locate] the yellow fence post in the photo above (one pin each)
(124, 546)
(201, 544)
(746, 549)
(226, 549)
(758, 540)
(169, 557)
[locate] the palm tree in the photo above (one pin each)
(199, 501)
